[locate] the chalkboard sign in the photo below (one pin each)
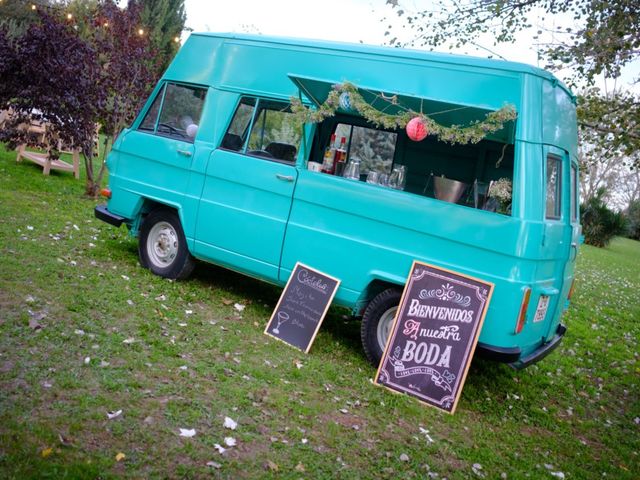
(302, 306)
(434, 335)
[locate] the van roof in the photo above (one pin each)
(402, 53)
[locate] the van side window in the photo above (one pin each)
(275, 132)
(574, 193)
(554, 185)
(149, 121)
(180, 115)
(238, 131)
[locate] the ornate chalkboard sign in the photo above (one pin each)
(434, 335)
(302, 306)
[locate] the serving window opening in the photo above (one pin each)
(476, 175)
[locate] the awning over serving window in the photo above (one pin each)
(447, 114)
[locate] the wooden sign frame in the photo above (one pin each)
(445, 380)
(327, 303)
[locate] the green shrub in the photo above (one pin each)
(599, 223)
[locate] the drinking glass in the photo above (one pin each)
(352, 170)
(372, 177)
(383, 179)
(397, 179)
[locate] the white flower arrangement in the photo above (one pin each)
(501, 190)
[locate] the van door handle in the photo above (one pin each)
(574, 251)
(184, 153)
(284, 178)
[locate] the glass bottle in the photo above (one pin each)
(341, 156)
(330, 154)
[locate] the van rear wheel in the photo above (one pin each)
(163, 246)
(377, 322)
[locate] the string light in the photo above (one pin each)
(69, 16)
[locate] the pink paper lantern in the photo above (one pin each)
(416, 129)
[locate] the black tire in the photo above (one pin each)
(163, 247)
(382, 307)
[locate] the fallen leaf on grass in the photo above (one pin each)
(404, 457)
(230, 423)
(239, 307)
(46, 452)
(300, 468)
(129, 340)
(186, 432)
(226, 301)
(114, 414)
(215, 465)
(120, 456)
(34, 324)
(219, 448)
(272, 466)
(298, 364)
(34, 320)
(230, 441)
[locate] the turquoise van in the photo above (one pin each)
(218, 166)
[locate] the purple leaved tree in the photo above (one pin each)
(72, 82)
(129, 67)
(51, 75)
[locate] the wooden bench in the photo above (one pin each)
(43, 159)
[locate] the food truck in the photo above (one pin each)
(255, 153)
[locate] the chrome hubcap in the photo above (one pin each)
(384, 326)
(162, 244)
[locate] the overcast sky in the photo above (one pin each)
(340, 20)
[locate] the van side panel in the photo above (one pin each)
(339, 226)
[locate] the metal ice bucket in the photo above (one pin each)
(447, 189)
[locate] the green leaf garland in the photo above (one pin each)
(455, 134)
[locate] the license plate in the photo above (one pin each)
(541, 309)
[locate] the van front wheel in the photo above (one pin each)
(377, 322)
(163, 246)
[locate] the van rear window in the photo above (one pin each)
(554, 184)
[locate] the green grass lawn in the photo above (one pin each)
(175, 355)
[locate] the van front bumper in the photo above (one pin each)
(102, 213)
(513, 356)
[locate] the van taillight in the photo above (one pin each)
(106, 192)
(523, 309)
(573, 286)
